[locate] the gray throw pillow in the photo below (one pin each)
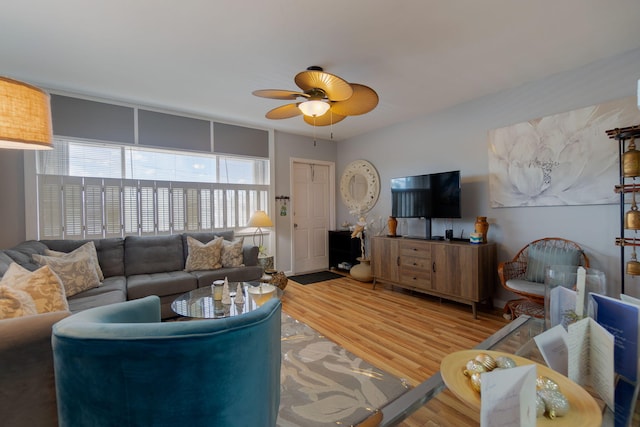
(540, 257)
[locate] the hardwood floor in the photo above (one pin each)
(403, 333)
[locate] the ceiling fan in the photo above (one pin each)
(326, 98)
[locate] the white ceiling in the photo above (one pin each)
(205, 57)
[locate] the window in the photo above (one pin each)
(91, 190)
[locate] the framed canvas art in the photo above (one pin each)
(562, 159)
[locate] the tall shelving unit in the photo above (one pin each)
(627, 184)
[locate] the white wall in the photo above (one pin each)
(12, 224)
(457, 139)
(288, 146)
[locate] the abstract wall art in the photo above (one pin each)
(562, 159)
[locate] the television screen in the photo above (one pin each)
(426, 196)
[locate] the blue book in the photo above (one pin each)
(621, 319)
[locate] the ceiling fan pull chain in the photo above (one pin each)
(314, 131)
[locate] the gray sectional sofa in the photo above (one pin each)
(138, 266)
(133, 267)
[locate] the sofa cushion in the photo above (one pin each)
(76, 271)
(15, 303)
(88, 248)
(43, 285)
(153, 254)
(205, 237)
(110, 284)
(204, 256)
(110, 252)
(5, 262)
(232, 253)
(168, 283)
(23, 253)
(83, 301)
(541, 256)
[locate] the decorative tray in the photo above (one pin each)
(584, 411)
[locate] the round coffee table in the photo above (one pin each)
(199, 303)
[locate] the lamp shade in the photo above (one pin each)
(25, 116)
(260, 219)
(313, 108)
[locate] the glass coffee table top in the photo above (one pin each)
(199, 303)
(432, 404)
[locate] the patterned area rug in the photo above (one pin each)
(322, 384)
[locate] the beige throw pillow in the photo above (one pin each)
(88, 248)
(15, 303)
(42, 285)
(203, 256)
(232, 253)
(76, 272)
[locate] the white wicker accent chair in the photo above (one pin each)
(524, 274)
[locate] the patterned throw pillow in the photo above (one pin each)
(203, 256)
(232, 253)
(15, 303)
(76, 272)
(88, 248)
(42, 285)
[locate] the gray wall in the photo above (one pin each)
(12, 229)
(457, 139)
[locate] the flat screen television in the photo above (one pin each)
(435, 195)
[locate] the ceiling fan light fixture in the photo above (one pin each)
(314, 108)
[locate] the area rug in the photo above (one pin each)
(320, 276)
(322, 384)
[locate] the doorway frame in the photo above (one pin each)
(332, 200)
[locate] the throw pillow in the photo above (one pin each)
(232, 253)
(88, 248)
(42, 285)
(15, 303)
(76, 272)
(540, 257)
(203, 256)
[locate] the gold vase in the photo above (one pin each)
(392, 223)
(362, 271)
(482, 226)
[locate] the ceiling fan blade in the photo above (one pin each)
(333, 86)
(279, 94)
(328, 118)
(284, 112)
(363, 100)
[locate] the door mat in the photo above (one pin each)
(324, 385)
(320, 276)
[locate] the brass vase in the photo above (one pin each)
(392, 223)
(482, 227)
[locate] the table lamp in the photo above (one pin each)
(259, 219)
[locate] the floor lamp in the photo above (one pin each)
(259, 219)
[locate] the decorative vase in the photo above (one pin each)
(482, 226)
(362, 271)
(392, 223)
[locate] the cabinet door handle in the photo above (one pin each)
(433, 267)
(398, 261)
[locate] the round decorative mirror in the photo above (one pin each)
(360, 186)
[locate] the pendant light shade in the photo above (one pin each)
(313, 108)
(25, 116)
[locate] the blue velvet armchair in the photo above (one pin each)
(117, 365)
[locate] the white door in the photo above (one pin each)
(312, 214)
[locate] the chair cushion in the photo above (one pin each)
(521, 285)
(541, 256)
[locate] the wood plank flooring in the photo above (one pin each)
(406, 334)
